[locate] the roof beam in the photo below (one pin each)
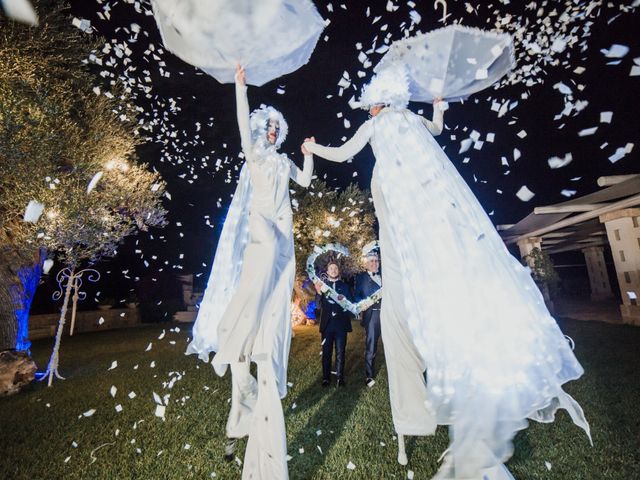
(576, 246)
(614, 179)
(587, 207)
(582, 217)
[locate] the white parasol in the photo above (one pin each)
(269, 38)
(451, 62)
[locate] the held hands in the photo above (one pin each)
(302, 147)
(241, 76)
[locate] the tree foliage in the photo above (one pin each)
(60, 125)
(325, 216)
(542, 268)
(58, 129)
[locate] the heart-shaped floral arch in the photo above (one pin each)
(354, 308)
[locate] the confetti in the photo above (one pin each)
(525, 194)
(33, 211)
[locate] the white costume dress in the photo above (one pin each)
(245, 313)
(456, 304)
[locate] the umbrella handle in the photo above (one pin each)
(444, 8)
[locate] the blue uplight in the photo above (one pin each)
(29, 277)
(310, 312)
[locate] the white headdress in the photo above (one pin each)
(389, 86)
(259, 120)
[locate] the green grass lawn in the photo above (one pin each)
(44, 435)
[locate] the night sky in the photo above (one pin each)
(189, 118)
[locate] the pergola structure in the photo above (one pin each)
(609, 217)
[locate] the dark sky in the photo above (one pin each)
(186, 154)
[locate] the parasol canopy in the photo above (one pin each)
(269, 38)
(451, 62)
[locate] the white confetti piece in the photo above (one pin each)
(82, 24)
(160, 411)
(351, 466)
(615, 51)
(619, 154)
(46, 266)
(114, 364)
(465, 145)
(118, 408)
(557, 162)
(587, 131)
(132, 395)
(33, 211)
(113, 391)
(516, 154)
(525, 194)
(89, 413)
(605, 117)
(548, 465)
(94, 181)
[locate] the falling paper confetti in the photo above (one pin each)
(525, 194)
(33, 211)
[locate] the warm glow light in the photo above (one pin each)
(116, 163)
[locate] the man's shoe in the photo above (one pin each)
(368, 381)
(229, 449)
(340, 382)
(325, 383)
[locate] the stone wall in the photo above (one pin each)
(44, 326)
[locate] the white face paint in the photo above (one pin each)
(273, 130)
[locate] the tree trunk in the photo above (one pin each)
(19, 276)
(8, 317)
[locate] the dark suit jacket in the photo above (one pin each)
(332, 316)
(365, 286)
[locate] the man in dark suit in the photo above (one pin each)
(335, 323)
(366, 284)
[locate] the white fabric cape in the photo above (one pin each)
(494, 354)
(225, 272)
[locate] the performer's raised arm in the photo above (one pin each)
(242, 106)
(303, 177)
(347, 150)
(436, 125)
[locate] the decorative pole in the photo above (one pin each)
(93, 276)
(74, 305)
(71, 281)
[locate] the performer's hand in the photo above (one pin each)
(318, 285)
(437, 100)
(302, 147)
(241, 76)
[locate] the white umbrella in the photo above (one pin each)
(269, 38)
(451, 62)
